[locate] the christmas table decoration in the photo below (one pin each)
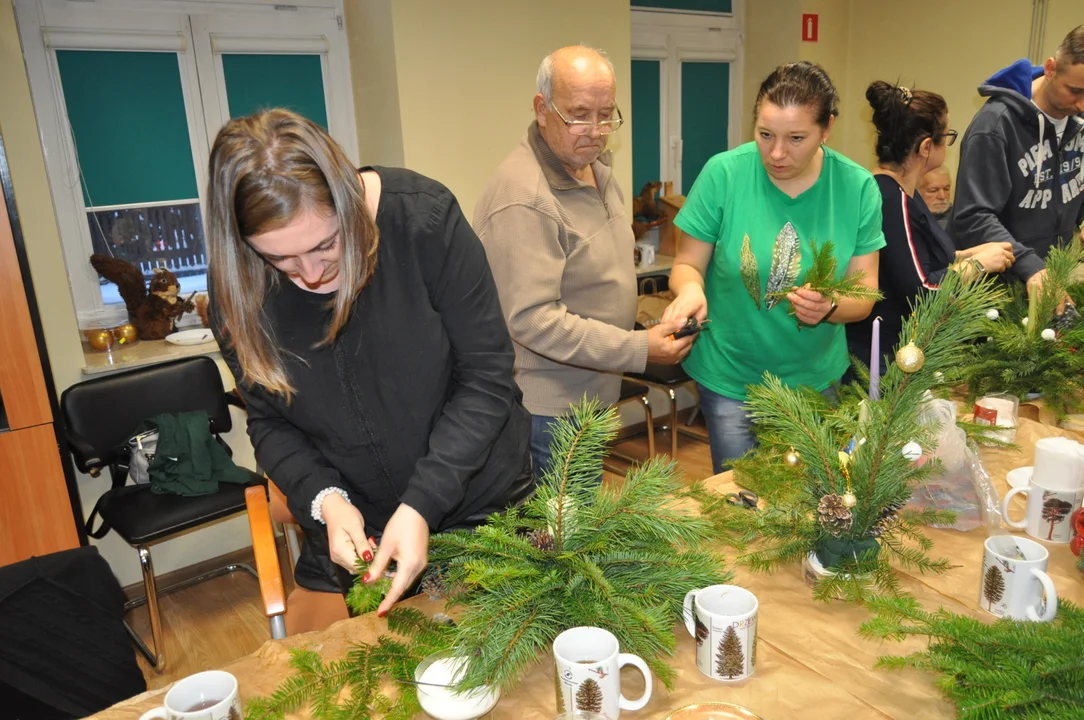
(620, 557)
(843, 506)
(1029, 348)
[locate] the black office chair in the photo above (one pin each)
(101, 415)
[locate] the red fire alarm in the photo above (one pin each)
(809, 27)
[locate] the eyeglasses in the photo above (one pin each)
(583, 127)
(951, 136)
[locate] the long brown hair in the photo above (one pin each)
(264, 169)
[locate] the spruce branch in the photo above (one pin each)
(822, 277)
(1002, 670)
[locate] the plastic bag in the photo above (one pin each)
(961, 484)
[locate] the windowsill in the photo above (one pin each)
(143, 353)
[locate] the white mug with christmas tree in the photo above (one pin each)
(1048, 510)
(209, 695)
(589, 665)
(1014, 583)
(723, 621)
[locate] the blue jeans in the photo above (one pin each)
(540, 442)
(730, 428)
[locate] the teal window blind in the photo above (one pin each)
(258, 82)
(127, 114)
(647, 125)
(705, 110)
(715, 6)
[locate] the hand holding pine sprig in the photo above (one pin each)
(943, 325)
(1004, 669)
(822, 277)
(577, 553)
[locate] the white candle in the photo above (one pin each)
(1058, 464)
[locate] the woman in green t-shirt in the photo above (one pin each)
(748, 228)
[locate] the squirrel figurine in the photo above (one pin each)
(152, 311)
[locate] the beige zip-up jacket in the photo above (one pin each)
(562, 254)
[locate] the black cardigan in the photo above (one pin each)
(916, 256)
(415, 402)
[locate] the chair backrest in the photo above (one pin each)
(104, 412)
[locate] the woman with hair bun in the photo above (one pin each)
(912, 136)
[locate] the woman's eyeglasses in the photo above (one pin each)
(949, 136)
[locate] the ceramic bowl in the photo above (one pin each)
(441, 701)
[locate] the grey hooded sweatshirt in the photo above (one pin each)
(1016, 182)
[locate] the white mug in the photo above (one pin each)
(589, 673)
(1014, 583)
(210, 695)
(1048, 511)
(723, 621)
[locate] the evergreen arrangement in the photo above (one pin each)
(356, 687)
(577, 553)
(1029, 348)
(835, 476)
(823, 276)
(991, 671)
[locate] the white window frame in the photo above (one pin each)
(193, 29)
(672, 37)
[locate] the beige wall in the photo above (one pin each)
(34, 202)
(954, 47)
(832, 52)
(772, 37)
(464, 76)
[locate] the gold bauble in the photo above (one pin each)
(99, 338)
(849, 500)
(910, 358)
(125, 334)
(792, 458)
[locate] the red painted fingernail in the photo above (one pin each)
(366, 578)
(382, 614)
(367, 556)
(372, 541)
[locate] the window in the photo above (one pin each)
(130, 97)
(686, 90)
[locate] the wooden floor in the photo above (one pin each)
(220, 620)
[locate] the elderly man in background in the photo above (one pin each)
(936, 189)
(560, 245)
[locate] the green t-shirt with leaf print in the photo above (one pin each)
(734, 198)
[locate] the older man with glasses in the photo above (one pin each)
(560, 245)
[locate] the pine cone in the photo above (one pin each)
(834, 515)
(433, 586)
(542, 540)
(888, 517)
(1067, 320)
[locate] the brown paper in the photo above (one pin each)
(810, 661)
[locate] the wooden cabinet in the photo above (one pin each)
(39, 502)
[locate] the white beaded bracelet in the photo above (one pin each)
(318, 502)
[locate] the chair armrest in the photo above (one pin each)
(234, 398)
(266, 551)
(85, 455)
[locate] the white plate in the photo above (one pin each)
(196, 336)
(1020, 477)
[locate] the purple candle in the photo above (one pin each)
(875, 362)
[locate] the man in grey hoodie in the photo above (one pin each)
(1021, 176)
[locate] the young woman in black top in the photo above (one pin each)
(912, 135)
(357, 312)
